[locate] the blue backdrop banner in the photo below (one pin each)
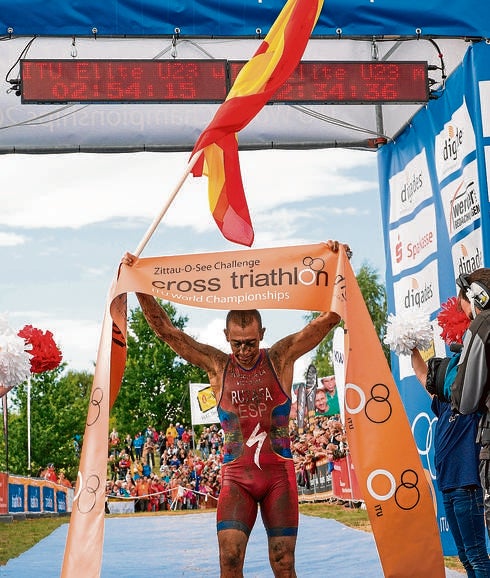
(435, 212)
(241, 17)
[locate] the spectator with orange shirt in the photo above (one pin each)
(142, 491)
(63, 480)
(154, 491)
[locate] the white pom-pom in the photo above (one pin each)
(15, 361)
(4, 326)
(408, 330)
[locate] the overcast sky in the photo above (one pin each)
(66, 220)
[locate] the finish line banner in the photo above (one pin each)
(311, 277)
(299, 277)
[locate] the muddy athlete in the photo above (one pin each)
(253, 388)
(257, 460)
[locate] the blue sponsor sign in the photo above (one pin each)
(61, 501)
(16, 498)
(34, 498)
(48, 499)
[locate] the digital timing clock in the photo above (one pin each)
(181, 81)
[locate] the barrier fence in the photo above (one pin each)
(23, 495)
(341, 481)
(127, 505)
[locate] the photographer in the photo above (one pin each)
(471, 388)
(456, 456)
(456, 445)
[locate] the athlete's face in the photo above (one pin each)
(245, 342)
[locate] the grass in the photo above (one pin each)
(352, 517)
(18, 536)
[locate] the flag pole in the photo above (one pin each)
(173, 194)
(6, 430)
(29, 426)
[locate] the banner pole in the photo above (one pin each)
(161, 214)
(29, 426)
(6, 431)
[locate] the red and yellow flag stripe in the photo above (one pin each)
(272, 64)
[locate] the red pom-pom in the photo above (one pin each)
(45, 352)
(452, 321)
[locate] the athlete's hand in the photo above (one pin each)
(129, 259)
(334, 247)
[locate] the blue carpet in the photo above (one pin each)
(186, 545)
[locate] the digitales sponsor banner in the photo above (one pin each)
(435, 204)
(310, 277)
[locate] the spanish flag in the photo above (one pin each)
(272, 64)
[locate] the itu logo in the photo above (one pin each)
(423, 432)
(401, 487)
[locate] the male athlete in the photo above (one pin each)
(253, 392)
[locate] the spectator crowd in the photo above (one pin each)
(170, 469)
(166, 470)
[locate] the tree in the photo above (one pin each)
(154, 389)
(59, 405)
(374, 294)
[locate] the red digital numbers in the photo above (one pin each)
(352, 82)
(56, 81)
(123, 80)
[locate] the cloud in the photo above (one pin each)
(11, 239)
(70, 213)
(80, 189)
(78, 341)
